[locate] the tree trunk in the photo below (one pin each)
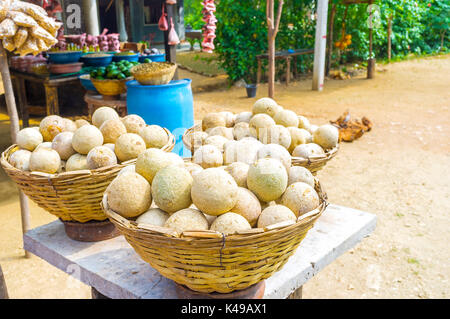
(389, 33)
(272, 30)
(271, 75)
(330, 40)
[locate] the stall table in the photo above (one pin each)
(50, 83)
(286, 55)
(114, 270)
(95, 100)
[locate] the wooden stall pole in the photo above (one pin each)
(330, 40)
(90, 16)
(272, 30)
(14, 127)
(170, 50)
(320, 45)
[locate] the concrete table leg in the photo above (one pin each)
(3, 290)
(296, 294)
(253, 292)
(97, 295)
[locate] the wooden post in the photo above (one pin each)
(258, 74)
(371, 60)
(320, 45)
(272, 30)
(288, 70)
(389, 33)
(120, 17)
(90, 15)
(170, 50)
(330, 40)
(14, 129)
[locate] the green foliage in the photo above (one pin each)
(193, 14)
(241, 35)
(418, 27)
(438, 17)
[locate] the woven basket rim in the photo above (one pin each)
(209, 235)
(110, 80)
(81, 173)
(153, 74)
(299, 160)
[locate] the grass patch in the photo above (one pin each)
(413, 261)
(200, 62)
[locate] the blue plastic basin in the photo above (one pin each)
(143, 57)
(86, 82)
(96, 61)
(153, 57)
(169, 105)
(157, 57)
(64, 57)
(131, 58)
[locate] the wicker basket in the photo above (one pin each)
(207, 261)
(71, 196)
(160, 77)
(111, 87)
(313, 163)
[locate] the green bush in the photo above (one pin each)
(241, 35)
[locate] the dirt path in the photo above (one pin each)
(398, 171)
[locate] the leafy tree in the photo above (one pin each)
(438, 16)
(418, 26)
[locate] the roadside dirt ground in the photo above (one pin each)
(399, 171)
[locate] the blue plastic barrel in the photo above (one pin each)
(169, 105)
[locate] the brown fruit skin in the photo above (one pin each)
(208, 156)
(128, 146)
(230, 223)
(187, 219)
(103, 114)
(129, 195)
(301, 198)
(212, 120)
(214, 191)
(111, 130)
(275, 214)
(247, 205)
(51, 126)
(171, 188)
(267, 178)
(86, 138)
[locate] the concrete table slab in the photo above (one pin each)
(115, 270)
